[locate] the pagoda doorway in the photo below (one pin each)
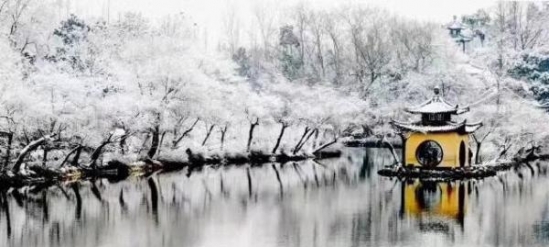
(462, 157)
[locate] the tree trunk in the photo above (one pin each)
(208, 133)
(478, 160)
(284, 126)
(147, 136)
(161, 141)
(325, 146)
(29, 148)
(305, 141)
(392, 148)
(8, 151)
(44, 156)
(155, 142)
(251, 134)
(97, 152)
(76, 157)
(122, 143)
(177, 140)
(74, 150)
(315, 141)
(223, 132)
(301, 139)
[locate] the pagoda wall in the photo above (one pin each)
(450, 143)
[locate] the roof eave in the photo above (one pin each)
(459, 127)
(462, 110)
(433, 112)
(470, 128)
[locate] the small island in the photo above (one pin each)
(436, 146)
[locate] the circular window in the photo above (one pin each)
(429, 153)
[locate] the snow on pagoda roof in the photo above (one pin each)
(448, 127)
(470, 128)
(417, 127)
(455, 24)
(437, 104)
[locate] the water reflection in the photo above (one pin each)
(338, 202)
(440, 206)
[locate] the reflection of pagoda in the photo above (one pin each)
(437, 204)
(436, 141)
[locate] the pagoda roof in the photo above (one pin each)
(462, 127)
(437, 104)
(455, 24)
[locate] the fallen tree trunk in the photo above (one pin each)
(325, 145)
(27, 149)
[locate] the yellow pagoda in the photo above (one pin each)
(436, 141)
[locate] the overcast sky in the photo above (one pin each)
(209, 14)
(436, 10)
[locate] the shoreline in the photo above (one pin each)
(117, 170)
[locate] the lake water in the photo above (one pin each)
(335, 202)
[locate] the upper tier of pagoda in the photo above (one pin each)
(436, 116)
(437, 104)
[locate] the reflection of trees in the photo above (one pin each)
(6, 208)
(154, 197)
(49, 217)
(75, 188)
(357, 210)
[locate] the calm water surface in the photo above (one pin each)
(337, 202)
